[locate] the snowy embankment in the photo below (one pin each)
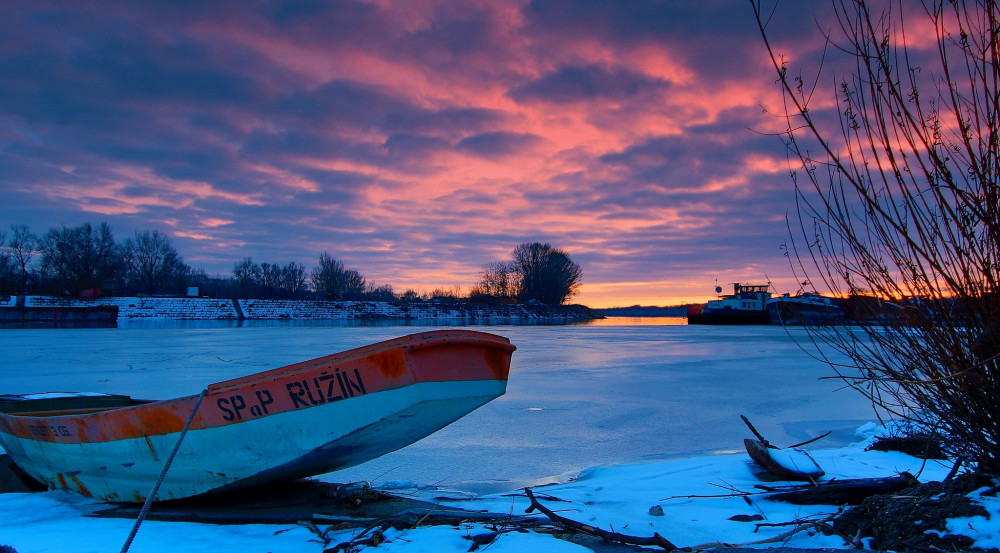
(154, 308)
(699, 498)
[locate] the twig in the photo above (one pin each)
(569, 524)
(770, 446)
(716, 496)
(755, 433)
(544, 496)
(954, 470)
(807, 442)
(800, 526)
(489, 537)
(377, 538)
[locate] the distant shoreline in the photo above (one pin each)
(644, 311)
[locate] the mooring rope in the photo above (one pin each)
(163, 473)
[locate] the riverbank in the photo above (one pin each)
(44, 311)
(658, 407)
(701, 503)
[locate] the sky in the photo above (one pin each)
(415, 141)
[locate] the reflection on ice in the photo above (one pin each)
(636, 321)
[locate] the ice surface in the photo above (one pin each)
(590, 402)
(578, 396)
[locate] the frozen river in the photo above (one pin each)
(613, 392)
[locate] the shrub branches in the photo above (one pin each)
(896, 189)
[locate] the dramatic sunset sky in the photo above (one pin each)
(415, 140)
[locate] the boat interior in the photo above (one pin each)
(55, 405)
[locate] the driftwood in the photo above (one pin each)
(840, 492)
(803, 467)
(797, 464)
(376, 538)
(575, 526)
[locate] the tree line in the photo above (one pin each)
(86, 260)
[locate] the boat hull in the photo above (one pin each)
(814, 311)
(745, 306)
(297, 421)
(730, 317)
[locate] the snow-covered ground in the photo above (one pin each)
(620, 418)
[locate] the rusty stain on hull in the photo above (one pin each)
(152, 449)
(83, 489)
(391, 363)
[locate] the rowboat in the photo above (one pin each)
(296, 421)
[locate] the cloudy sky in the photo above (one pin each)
(416, 141)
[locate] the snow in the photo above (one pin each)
(156, 310)
(986, 531)
(698, 496)
(57, 395)
(795, 460)
(617, 418)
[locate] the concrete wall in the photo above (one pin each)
(146, 308)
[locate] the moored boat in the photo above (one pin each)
(806, 309)
(746, 305)
(300, 420)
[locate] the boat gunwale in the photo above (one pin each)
(411, 342)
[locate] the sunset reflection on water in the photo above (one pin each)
(637, 321)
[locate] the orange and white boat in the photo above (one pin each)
(296, 421)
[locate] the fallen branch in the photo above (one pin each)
(801, 525)
(755, 433)
(839, 492)
(575, 526)
(488, 538)
(374, 540)
(809, 441)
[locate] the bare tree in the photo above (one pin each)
(246, 273)
(380, 292)
(152, 261)
(293, 279)
(544, 273)
(332, 280)
(23, 244)
(80, 258)
(497, 279)
(269, 279)
(897, 198)
(6, 265)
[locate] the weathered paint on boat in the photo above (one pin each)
(296, 421)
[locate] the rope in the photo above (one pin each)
(163, 474)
